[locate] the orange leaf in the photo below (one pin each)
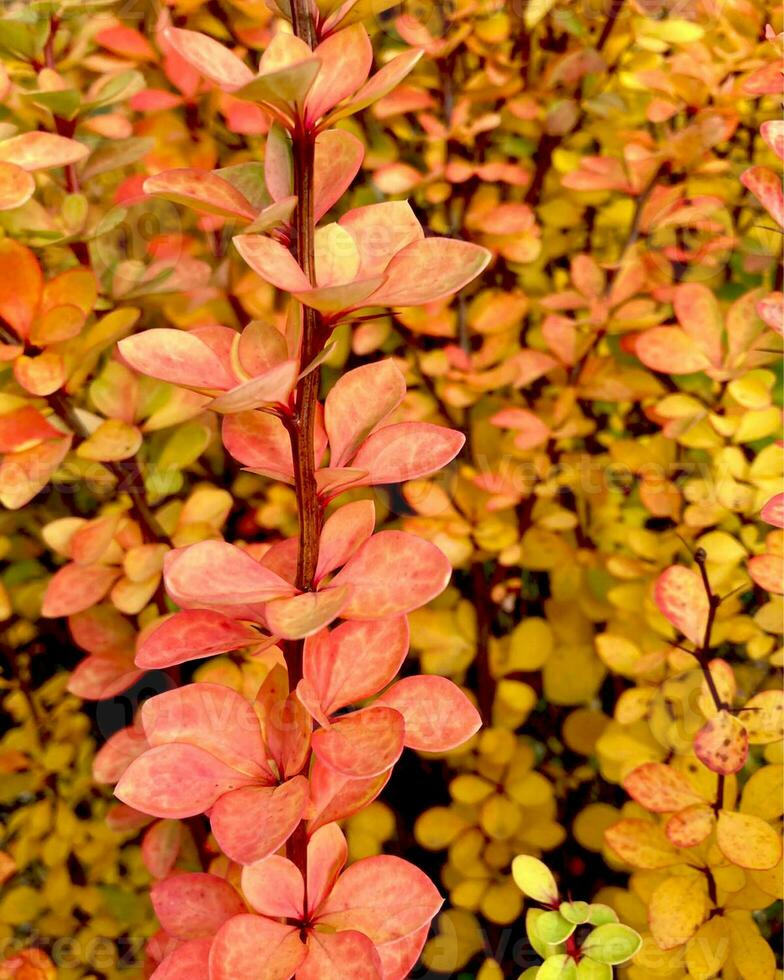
(671, 351)
(214, 573)
(177, 356)
(201, 190)
(660, 788)
(37, 150)
(393, 573)
(195, 906)
(340, 956)
(438, 716)
(338, 677)
(346, 57)
(215, 718)
(766, 187)
(383, 897)
(252, 822)
(358, 401)
(251, 946)
(303, 615)
(362, 744)
(77, 587)
(722, 744)
(344, 532)
(21, 286)
(335, 796)
(641, 844)
(211, 59)
(274, 887)
(691, 826)
(17, 186)
(189, 635)
(406, 451)
(177, 781)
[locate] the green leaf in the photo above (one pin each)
(248, 179)
(588, 969)
(600, 914)
(534, 879)
(575, 912)
(282, 88)
(184, 447)
(611, 943)
(64, 103)
(118, 88)
(532, 917)
(558, 967)
(553, 928)
(113, 156)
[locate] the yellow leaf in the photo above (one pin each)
(677, 909)
(707, 950)
(747, 840)
(536, 10)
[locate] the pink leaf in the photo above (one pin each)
(274, 887)
(406, 451)
(357, 403)
(217, 573)
(393, 573)
(214, 718)
(338, 157)
(438, 716)
(671, 351)
(195, 906)
(273, 262)
(189, 635)
(176, 781)
(161, 847)
(346, 58)
(253, 822)
(362, 744)
(681, 598)
(429, 270)
(305, 614)
(384, 897)
(335, 796)
(187, 962)
(202, 190)
(344, 532)
(271, 388)
(766, 187)
(347, 955)
(327, 856)
(97, 678)
(211, 59)
(399, 957)
(177, 356)
(117, 753)
(249, 947)
(773, 511)
(380, 232)
(355, 660)
(75, 588)
(260, 442)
